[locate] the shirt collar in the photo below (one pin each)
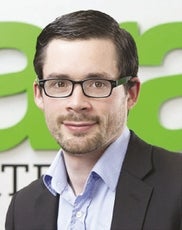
(56, 177)
(108, 167)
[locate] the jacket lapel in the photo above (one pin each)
(46, 210)
(132, 193)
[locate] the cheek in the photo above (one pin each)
(52, 105)
(117, 103)
(51, 111)
(112, 111)
(118, 110)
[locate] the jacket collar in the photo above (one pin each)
(132, 193)
(46, 209)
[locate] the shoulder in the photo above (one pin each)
(30, 196)
(31, 192)
(36, 185)
(153, 157)
(167, 162)
(156, 152)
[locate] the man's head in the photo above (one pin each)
(86, 25)
(83, 60)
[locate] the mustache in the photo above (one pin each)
(78, 118)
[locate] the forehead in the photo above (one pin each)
(79, 57)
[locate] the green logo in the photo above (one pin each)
(153, 45)
(22, 37)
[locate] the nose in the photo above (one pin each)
(78, 101)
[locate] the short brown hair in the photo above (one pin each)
(87, 24)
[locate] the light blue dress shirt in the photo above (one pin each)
(93, 209)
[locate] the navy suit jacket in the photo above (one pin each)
(148, 195)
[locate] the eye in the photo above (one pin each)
(100, 84)
(58, 83)
(61, 83)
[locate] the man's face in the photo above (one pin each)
(81, 124)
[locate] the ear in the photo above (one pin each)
(38, 96)
(133, 92)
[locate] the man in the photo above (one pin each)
(104, 176)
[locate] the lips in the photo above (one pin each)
(78, 126)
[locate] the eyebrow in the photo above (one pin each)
(98, 76)
(57, 76)
(88, 76)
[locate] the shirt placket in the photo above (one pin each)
(81, 205)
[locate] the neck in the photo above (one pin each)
(78, 169)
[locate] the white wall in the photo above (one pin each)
(40, 12)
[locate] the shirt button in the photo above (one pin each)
(79, 214)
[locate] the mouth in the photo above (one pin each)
(78, 126)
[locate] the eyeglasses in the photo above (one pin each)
(95, 88)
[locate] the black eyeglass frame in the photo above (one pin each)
(114, 83)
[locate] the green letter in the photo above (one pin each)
(22, 37)
(153, 45)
